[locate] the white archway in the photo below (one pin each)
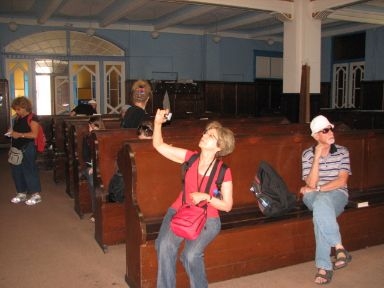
(51, 53)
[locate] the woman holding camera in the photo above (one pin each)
(215, 142)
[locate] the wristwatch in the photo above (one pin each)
(318, 188)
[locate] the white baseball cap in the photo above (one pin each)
(319, 123)
(92, 101)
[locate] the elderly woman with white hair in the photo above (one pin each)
(325, 170)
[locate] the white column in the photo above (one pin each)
(302, 45)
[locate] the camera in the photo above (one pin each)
(168, 116)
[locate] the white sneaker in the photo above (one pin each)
(35, 198)
(20, 197)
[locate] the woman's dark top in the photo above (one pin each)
(133, 117)
(84, 109)
(21, 125)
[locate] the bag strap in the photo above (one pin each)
(220, 177)
(213, 172)
(209, 183)
(184, 168)
(29, 119)
(187, 164)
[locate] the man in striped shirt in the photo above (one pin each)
(325, 170)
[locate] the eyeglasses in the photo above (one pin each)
(210, 135)
(326, 130)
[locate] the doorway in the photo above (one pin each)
(346, 84)
(43, 95)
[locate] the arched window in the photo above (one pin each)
(48, 61)
(63, 43)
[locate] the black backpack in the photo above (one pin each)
(271, 192)
(116, 188)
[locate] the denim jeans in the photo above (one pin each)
(91, 189)
(26, 175)
(326, 207)
(192, 257)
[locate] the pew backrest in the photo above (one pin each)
(154, 181)
(107, 144)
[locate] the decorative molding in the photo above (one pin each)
(283, 17)
(321, 15)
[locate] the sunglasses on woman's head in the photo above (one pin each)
(326, 130)
(140, 90)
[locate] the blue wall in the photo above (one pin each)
(191, 56)
(199, 58)
(374, 54)
(326, 60)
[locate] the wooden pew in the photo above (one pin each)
(111, 122)
(78, 188)
(74, 130)
(77, 185)
(109, 217)
(249, 243)
(59, 138)
(67, 146)
(74, 127)
(58, 148)
(59, 145)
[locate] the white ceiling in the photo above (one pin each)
(250, 19)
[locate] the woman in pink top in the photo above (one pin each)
(215, 142)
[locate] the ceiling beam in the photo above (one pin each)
(240, 21)
(183, 15)
(49, 10)
(121, 9)
(281, 6)
(347, 29)
(360, 16)
(321, 5)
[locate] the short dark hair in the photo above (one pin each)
(145, 128)
(97, 121)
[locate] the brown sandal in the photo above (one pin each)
(327, 276)
(345, 259)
